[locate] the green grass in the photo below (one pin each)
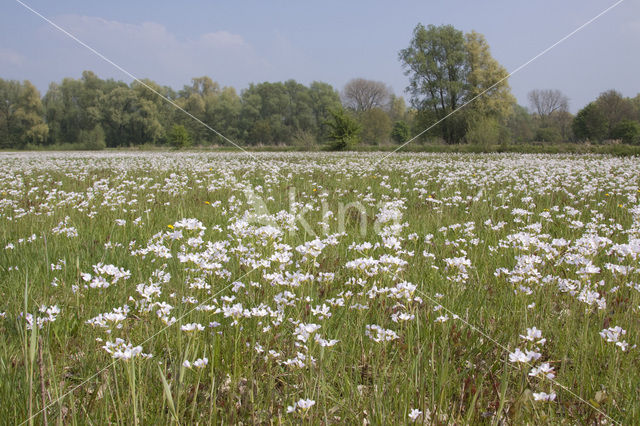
(451, 371)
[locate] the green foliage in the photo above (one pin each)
(486, 81)
(21, 120)
(398, 109)
(615, 108)
(590, 124)
(521, 125)
(400, 132)
(548, 134)
(440, 60)
(344, 130)
(179, 136)
(447, 69)
(93, 140)
(628, 131)
(376, 126)
(133, 115)
(483, 132)
(436, 63)
(305, 140)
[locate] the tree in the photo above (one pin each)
(224, 113)
(360, 94)
(21, 115)
(546, 102)
(628, 131)
(129, 119)
(590, 123)
(447, 69)
(520, 125)
(53, 105)
(344, 130)
(561, 122)
(483, 131)
(400, 132)
(436, 63)
(179, 136)
(548, 134)
(615, 108)
(324, 98)
(93, 140)
(397, 108)
(486, 81)
(376, 126)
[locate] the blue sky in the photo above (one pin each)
(240, 42)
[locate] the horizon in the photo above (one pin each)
(226, 43)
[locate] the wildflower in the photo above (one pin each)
(302, 405)
(325, 343)
(304, 331)
(613, 334)
(543, 370)
(123, 350)
(192, 327)
(518, 356)
(379, 334)
(199, 363)
(534, 335)
(542, 396)
(414, 414)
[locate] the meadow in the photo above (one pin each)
(316, 288)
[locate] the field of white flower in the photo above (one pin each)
(319, 288)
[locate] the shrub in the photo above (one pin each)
(179, 136)
(92, 140)
(483, 132)
(628, 131)
(590, 123)
(548, 134)
(400, 132)
(304, 139)
(344, 130)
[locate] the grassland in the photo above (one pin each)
(319, 288)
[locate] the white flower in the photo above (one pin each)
(192, 327)
(325, 343)
(122, 350)
(442, 318)
(199, 363)
(518, 356)
(414, 414)
(534, 335)
(302, 405)
(613, 334)
(379, 334)
(304, 331)
(544, 369)
(542, 396)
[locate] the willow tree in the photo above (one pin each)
(21, 120)
(448, 69)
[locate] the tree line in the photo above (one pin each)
(458, 93)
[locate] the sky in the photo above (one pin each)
(241, 42)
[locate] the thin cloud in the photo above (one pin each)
(10, 57)
(151, 50)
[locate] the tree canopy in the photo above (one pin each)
(448, 69)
